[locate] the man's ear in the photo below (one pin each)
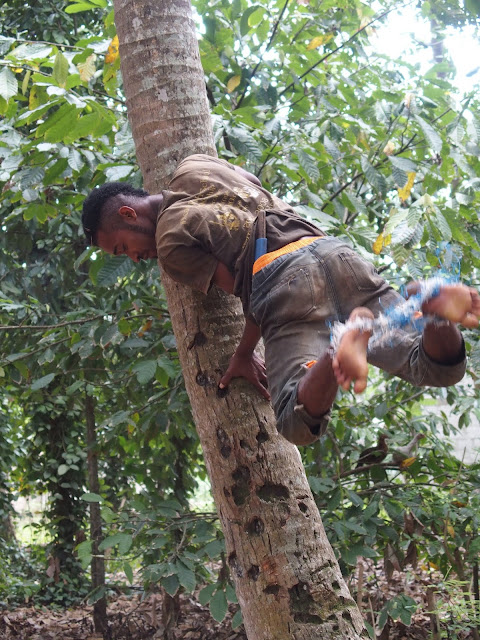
(127, 212)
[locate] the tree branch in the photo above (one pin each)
(270, 42)
(344, 44)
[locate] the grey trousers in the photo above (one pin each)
(294, 300)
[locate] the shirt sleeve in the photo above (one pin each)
(190, 266)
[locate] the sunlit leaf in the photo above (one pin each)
(405, 191)
(233, 83)
(318, 41)
(8, 84)
(378, 244)
(407, 462)
(113, 51)
(87, 69)
(60, 69)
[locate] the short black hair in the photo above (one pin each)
(94, 204)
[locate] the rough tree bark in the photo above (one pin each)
(286, 576)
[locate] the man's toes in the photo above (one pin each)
(360, 385)
(470, 320)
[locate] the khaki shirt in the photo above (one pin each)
(209, 214)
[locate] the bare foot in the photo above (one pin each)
(455, 302)
(350, 362)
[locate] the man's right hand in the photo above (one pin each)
(250, 367)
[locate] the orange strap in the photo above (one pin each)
(288, 248)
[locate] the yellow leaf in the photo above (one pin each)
(233, 83)
(131, 429)
(87, 69)
(451, 530)
(408, 100)
(26, 80)
(405, 191)
(389, 148)
(146, 327)
(387, 240)
(363, 140)
(113, 51)
(407, 462)
(318, 41)
(378, 244)
(33, 99)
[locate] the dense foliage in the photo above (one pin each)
(359, 142)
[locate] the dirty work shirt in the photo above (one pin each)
(208, 215)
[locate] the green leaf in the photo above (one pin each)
(374, 177)
(84, 551)
(170, 584)
(114, 268)
(91, 497)
(5, 44)
(57, 124)
(206, 594)
(8, 84)
(145, 370)
(231, 594)
(84, 548)
(123, 540)
(405, 164)
(244, 22)
(31, 51)
(128, 572)
(60, 69)
(75, 160)
(433, 138)
(119, 172)
(237, 619)
(97, 594)
(117, 418)
(43, 382)
(214, 548)
(218, 606)
(79, 6)
(308, 164)
(62, 469)
(332, 148)
(186, 577)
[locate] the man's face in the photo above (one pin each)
(138, 243)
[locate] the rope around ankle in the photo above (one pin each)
(398, 316)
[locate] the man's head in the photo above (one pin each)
(121, 220)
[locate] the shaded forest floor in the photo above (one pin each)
(131, 619)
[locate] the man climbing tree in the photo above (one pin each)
(276, 546)
(205, 230)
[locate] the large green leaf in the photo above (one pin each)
(145, 370)
(114, 268)
(218, 606)
(433, 137)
